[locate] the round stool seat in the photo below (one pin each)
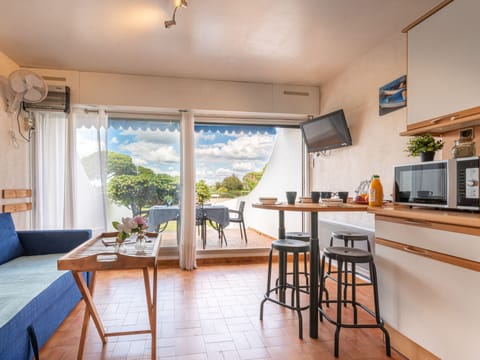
(348, 254)
(290, 245)
(348, 235)
(297, 235)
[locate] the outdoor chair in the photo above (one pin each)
(236, 216)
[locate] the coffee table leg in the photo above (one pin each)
(314, 263)
(89, 308)
(152, 306)
(86, 318)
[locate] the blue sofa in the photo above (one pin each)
(35, 297)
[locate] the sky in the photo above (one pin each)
(218, 154)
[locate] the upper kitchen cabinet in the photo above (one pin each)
(444, 69)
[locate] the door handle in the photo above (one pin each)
(416, 251)
(417, 222)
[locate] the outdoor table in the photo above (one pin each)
(161, 214)
(313, 209)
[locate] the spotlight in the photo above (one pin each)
(181, 3)
(178, 4)
(169, 23)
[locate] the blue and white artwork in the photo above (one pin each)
(393, 95)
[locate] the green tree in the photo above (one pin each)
(138, 188)
(251, 179)
(167, 189)
(232, 182)
(133, 191)
(203, 191)
(120, 164)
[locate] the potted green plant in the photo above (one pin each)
(424, 146)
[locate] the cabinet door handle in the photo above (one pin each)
(417, 222)
(417, 252)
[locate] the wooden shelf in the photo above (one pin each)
(16, 193)
(10, 208)
(443, 124)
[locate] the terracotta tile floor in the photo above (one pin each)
(210, 313)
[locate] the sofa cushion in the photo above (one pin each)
(43, 312)
(10, 246)
(23, 279)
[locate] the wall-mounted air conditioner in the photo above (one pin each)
(58, 99)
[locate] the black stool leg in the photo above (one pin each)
(329, 260)
(267, 294)
(296, 289)
(345, 289)
(345, 286)
(354, 295)
(373, 275)
(305, 268)
(322, 278)
(339, 308)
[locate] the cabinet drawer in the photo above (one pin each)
(425, 235)
(432, 303)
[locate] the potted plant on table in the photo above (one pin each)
(424, 146)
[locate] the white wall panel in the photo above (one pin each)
(443, 62)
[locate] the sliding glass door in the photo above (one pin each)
(143, 171)
(235, 165)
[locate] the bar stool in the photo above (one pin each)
(284, 247)
(305, 237)
(352, 238)
(344, 255)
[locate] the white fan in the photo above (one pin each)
(24, 85)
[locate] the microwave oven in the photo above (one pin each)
(449, 184)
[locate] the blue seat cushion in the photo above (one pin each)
(23, 279)
(32, 293)
(10, 246)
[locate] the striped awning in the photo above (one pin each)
(170, 125)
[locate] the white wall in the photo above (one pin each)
(91, 88)
(283, 173)
(14, 162)
(377, 145)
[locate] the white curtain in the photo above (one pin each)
(187, 246)
(49, 170)
(88, 157)
(69, 190)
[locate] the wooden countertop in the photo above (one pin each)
(450, 217)
(460, 218)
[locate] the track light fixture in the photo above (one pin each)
(178, 4)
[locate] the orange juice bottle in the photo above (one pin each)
(375, 193)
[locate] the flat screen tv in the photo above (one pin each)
(326, 132)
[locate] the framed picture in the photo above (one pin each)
(392, 96)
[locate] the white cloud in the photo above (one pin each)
(205, 136)
(144, 152)
(244, 166)
(114, 140)
(154, 136)
(223, 172)
(255, 147)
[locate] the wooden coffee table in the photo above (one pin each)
(94, 256)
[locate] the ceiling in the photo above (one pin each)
(303, 42)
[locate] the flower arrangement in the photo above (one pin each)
(129, 226)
